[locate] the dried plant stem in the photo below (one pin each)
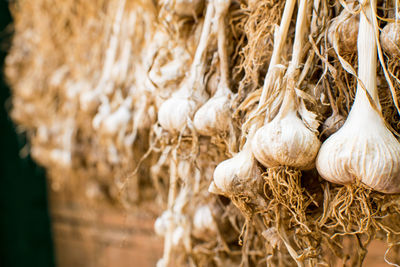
(279, 41)
(222, 53)
(172, 192)
(197, 69)
(367, 59)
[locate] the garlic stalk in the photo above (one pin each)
(279, 142)
(279, 41)
(176, 112)
(215, 116)
(363, 150)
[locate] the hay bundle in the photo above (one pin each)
(268, 128)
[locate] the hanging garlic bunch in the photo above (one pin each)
(286, 140)
(215, 115)
(363, 149)
(342, 33)
(240, 173)
(175, 113)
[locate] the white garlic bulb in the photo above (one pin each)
(344, 29)
(113, 122)
(363, 149)
(237, 174)
(214, 116)
(175, 113)
(204, 226)
(286, 141)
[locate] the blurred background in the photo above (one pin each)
(25, 235)
(81, 235)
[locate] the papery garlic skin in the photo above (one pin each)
(362, 150)
(286, 142)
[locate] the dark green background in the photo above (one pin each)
(25, 235)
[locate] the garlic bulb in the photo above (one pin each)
(286, 140)
(237, 174)
(363, 149)
(343, 31)
(162, 223)
(214, 116)
(175, 113)
(390, 38)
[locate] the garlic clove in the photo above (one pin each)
(214, 116)
(362, 150)
(286, 142)
(175, 113)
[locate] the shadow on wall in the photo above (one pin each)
(25, 235)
